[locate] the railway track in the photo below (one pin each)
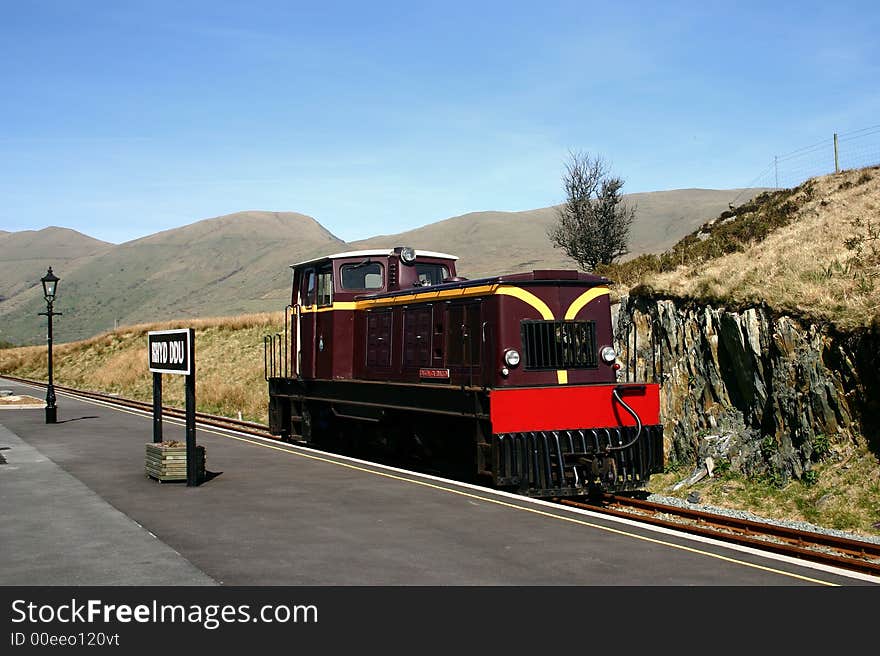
(846, 553)
(253, 428)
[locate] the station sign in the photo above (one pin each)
(171, 351)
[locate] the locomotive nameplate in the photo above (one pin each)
(434, 373)
(171, 351)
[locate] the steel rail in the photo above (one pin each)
(845, 553)
(858, 548)
(147, 406)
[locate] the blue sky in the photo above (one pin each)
(120, 119)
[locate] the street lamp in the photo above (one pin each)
(50, 288)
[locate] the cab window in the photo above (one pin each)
(308, 288)
(325, 285)
(431, 274)
(366, 275)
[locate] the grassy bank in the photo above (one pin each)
(843, 493)
(229, 364)
(812, 251)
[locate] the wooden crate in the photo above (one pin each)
(166, 461)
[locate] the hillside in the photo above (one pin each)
(25, 256)
(505, 242)
(226, 265)
(239, 263)
(811, 251)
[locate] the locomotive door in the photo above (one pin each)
(323, 323)
(464, 341)
(417, 333)
(305, 324)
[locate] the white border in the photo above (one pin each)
(189, 350)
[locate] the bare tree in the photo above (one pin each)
(594, 221)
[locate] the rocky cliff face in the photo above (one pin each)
(770, 394)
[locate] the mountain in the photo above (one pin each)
(505, 242)
(230, 264)
(239, 263)
(25, 256)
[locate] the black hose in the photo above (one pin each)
(634, 415)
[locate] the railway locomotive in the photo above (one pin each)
(509, 380)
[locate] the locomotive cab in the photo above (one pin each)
(324, 295)
(346, 275)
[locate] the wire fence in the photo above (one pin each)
(849, 150)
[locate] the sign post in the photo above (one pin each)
(157, 407)
(173, 352)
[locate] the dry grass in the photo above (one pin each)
(824, 263)
(845, 494)
(229, 364)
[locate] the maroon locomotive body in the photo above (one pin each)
(511, 379)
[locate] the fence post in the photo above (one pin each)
(836, 161)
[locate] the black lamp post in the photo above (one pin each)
(50, 288)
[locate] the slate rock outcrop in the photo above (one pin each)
(769, 393)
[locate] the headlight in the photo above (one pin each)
(511, 357)
(408, 255)
(608, 354)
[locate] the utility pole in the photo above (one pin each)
(776, 169)
(836, 160)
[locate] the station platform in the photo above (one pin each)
(79, 510)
